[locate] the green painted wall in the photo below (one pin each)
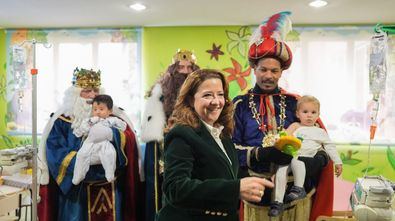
(3, 83)
(159, 44)
(355, 161)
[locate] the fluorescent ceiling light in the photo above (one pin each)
(318, 3)
(137, 7)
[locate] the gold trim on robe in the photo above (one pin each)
(63, 167)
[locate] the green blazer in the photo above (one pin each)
(199, 181)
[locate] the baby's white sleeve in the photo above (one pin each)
(117, 123)
(330, 148)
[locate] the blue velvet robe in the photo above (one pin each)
(62, 146)
(247, 134)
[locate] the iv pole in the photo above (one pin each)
(34, 72)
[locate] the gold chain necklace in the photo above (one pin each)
(269, 137)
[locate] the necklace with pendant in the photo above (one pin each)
(269, 134)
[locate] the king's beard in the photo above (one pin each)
(82, 110)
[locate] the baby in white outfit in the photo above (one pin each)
(91, 152)
(314, 139)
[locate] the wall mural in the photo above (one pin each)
(240, 72)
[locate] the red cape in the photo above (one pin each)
(323, 199)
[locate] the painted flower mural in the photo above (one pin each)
(237, 74)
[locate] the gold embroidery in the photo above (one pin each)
(271, 118)
(123, 139)
(113, 199)
(156, 176)
(96, 208)
(239, 147)
(63, 167)
(101, 198)
(123, 144)
(65, 119)
(236, 103)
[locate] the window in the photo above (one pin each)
(332, 65)
(115, 52)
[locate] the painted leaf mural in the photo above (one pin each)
(3, 87)
(38, 35)
(348, 159)
(238, 40)
(7, 141)
(367, 170)
(391, 157)
(123, 35)
(352, 161)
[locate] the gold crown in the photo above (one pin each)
(185, 55)
(84, 78)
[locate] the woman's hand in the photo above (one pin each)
(252, 188)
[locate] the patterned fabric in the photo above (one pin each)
(271, 48)
(268, 39)
(247, 134)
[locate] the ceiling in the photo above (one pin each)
(116, 13)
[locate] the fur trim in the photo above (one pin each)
(43, 172)
(154, 119)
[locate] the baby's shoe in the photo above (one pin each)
(276, 209)
(296, 193)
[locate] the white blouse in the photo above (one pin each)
(215, 133)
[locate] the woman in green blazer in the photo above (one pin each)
(201, 179)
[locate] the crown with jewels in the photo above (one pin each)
(185, 55)
(84, 78)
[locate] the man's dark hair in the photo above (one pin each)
(104, 99)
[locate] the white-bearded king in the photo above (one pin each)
(94, 198)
